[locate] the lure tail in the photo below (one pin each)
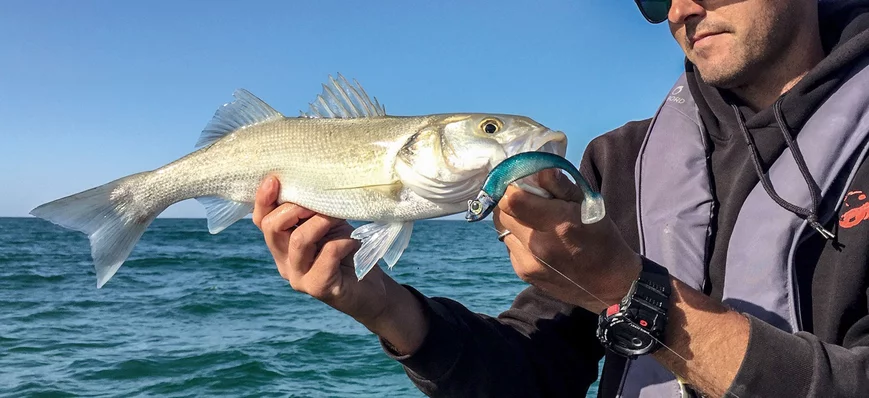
(593, 209)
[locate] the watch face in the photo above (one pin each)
(629, 338)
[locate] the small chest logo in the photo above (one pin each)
(858, 209)
(674, 96)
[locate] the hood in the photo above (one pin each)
(845, 36)
(845, 39)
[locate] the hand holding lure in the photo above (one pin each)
(525, 164)
(528, 163)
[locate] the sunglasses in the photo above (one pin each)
(655, 11)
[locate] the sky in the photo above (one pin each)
(91, 91)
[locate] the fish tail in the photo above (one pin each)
(111, 215)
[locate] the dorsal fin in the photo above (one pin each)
(343, 100)
(246, 110)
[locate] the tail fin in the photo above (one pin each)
(109, 218)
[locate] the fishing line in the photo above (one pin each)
(607, 305)
(596, 298)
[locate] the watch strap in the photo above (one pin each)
(652, 287)
(645, 307)
(655, 276)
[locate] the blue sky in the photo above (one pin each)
(94, 90)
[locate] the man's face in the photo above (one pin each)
(731, 41)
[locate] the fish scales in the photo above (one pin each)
(316, 160)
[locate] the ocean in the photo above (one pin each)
(192, 314)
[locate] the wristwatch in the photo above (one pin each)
(635, 326)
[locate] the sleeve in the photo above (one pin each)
(782, 364)
(539, 347)
(832, 358)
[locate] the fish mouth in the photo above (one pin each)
(550, 141)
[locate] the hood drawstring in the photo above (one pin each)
(809, 214)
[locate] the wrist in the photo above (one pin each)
(617, 286)
(402, 322)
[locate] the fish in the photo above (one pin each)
(345, 157)
(518, 167)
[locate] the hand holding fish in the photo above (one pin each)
(551, 230)
(315, 252)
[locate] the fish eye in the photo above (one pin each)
(476, 208)
(490, 126)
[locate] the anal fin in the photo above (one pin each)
(222, 212)
(380, 240)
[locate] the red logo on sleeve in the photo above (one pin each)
(858, 209)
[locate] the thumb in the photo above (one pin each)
(560, 186)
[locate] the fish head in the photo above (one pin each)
(448, 160)
(476, 141)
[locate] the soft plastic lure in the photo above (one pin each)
(525, 164)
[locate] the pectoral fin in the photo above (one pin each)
(380, 240)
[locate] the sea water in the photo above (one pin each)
(192, 314)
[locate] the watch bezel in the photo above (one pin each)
(606, 334)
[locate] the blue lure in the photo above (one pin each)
(525, 164)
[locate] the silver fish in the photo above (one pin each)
(345, 157)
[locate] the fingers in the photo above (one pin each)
(305, 242)
(505, 222)
(266, 199)
(287, 216)
(536, 212)
(559, 185)
(539, 212)
(327, 265)
(276, 225)
(524, 262)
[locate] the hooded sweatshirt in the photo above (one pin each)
(542, 347)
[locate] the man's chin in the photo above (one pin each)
(716, 75)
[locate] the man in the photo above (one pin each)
(735, 224)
